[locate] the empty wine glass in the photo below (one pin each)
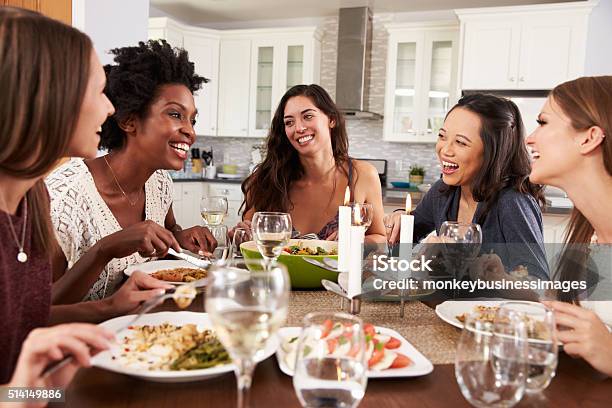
(542, 342)
(221, 252)
(491, 360)
(361, 214)
(331, 372)
(213, 209)
(240, 235)
(271, 231)
(247, 303)
(461, 245)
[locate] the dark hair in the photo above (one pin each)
(587, 102)
(267, 189)
(43, 76)
(133, 84)
(505, 159)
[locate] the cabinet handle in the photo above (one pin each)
(522, 79)
(213, 128)
(243, 130)
(511, 79)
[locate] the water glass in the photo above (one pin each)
(336, 379)
(221, 252)
(461, 245)
(542, 343)
(271, 231)
(247, 303)
(213, 209)
(241, 235)
(491, 360)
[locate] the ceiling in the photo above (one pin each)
(236, 11)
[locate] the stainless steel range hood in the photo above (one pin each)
(353, 69)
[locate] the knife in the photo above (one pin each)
(200, 263)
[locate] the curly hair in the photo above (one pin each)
(133, 84)
(267, 188)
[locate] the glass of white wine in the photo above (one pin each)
(247, 302)
(361, 214)
(271, 232)
(213, 209)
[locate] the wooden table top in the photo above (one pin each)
(575, 385)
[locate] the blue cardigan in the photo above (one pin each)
(512, 227)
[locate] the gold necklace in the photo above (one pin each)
(132, 204)
(21, 255)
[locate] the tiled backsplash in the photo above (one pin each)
(365, 136)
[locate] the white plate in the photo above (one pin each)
(450, 309)
(104, 359)
(154, 266)
(421, 365)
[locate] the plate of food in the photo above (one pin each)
(168, 347)
(389, 354)
(172, 271)
(302, 274)
(454, 312)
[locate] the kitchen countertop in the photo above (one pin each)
(205, 180)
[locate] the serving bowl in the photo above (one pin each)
(400, 184)
(303, 275)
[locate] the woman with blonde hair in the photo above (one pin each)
(572, 150)
(52, 107)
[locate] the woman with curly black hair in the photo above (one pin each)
(116, 210)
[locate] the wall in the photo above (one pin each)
(365, 135)
(598, 55)
(111, 23)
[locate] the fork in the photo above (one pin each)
(187, 291)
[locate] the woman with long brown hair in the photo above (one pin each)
(307, 167)
(485, 180)
(572, 150)
(53, 106)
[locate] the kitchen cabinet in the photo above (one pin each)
(58, 9)
(234, 83)
(421, 80)
(186, 202)
(187, 195)
(203, 48)
(523, 47)
(277, 64)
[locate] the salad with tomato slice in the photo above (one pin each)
(381, 353)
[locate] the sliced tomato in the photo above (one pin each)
(377, 354)
(354, 350)
(331, 345)
(401, 361)
(368, 329)
(393, 343)
(328, 325)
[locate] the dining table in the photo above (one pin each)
(576, 383)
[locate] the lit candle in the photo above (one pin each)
(357, 234)
(406, 231)
(344, 232)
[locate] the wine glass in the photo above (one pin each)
(542, 342)
(240, 235)
(461, 245)
(336, 379)
(361, 214)
(247, 303)
(221, 252)
(491, 360)
(271, 231)
(213, 209)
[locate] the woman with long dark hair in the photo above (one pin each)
(572, 150)
(485, 180)
(307, 167)
(53, 105)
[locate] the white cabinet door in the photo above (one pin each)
(491, 54)
(234, 85)
(204, 53)
(190, 207)
(421, 81)
(545, 53)
(266, 71)
(234, 196)
(164, 28)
